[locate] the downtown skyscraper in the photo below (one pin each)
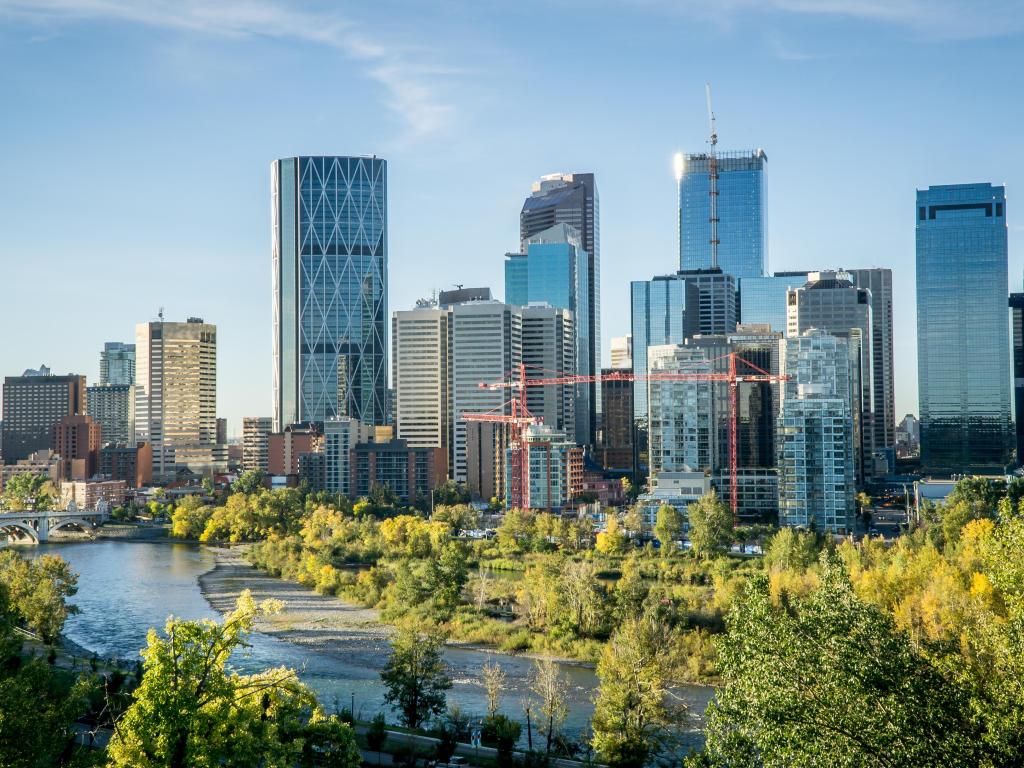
(742, 221)
(571, 198)
(330, 267)
(963, 345)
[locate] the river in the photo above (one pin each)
(126, 587)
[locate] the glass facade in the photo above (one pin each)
(963, 346)
(763, 299)
(742, 222)
(117, 364)
(554, 270)
(330, 289)
(664, 310)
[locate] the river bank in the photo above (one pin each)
(323, 622)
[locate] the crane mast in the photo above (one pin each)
(713, 181)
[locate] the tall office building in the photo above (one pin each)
(117, 364)
(421, 342)
(33, 405)
(963, 345)
(330, 267)
(663, 310)
(549, 346)
(487, 346)
(176, 396)
(571, 198)
(554, 270)
(112, 406)
(255, 431)
(717, 296)
(830, 302)
(1017, 339)
(815, 437)
(615, 449)
(883, 389)
(742, 221)
(762, 300)
(622, 351)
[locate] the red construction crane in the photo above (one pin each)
(523, 418)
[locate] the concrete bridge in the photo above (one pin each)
(37, 526)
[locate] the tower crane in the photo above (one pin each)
(523, 419)
(713, 180)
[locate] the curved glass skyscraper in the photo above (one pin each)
(330, 266)
(963, 345)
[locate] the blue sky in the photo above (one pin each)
(138, 135)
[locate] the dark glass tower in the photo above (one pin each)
(742, 222)
(963, 346)
(330, 266)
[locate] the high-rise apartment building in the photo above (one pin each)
(831, 302)
(421, 341)
(410, 473)
(33, 405)
(554, 270)
(112, 406)
(682, 412)
(284, 448)
(553, 475)
(77, 440)
(571, 198)
(330, 266)
(663, 310)
(133, 464)
(963, 345)
(255, 431)
(117, 364)
(176, 396)
(341, 435)
(622, 351)
(816, 453)
(742, 221)
(762, 300)
(487, 346)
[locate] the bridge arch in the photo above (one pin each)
(64, 522)
(14, 528)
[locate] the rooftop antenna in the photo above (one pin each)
(713, 179)
(458, 286)
(160, 314)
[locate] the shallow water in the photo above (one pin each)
(126, 587)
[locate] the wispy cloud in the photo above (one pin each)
(941, 19)
(784, 51)
(410, 85)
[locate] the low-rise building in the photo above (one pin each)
(86, 494)
(43, 462)
(679, 489)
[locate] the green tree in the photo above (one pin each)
(446, 576)
(249, 482)
(415, 677)
(633, 522)
(551, 690)
(28, 491)
(189, 518)
(826, 681)
(376, 734)
(459, 517)
(631, 591)
(494, 680)
(668, 527)
(612, 540)
(38, 591)
(631, 717)
(451, 493)
(710, 525)
(190, 711)
(792, 549)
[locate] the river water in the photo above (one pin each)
(126, 587)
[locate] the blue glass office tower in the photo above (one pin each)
(555, 270)
(742, 222)
(330, 266)
(763, 299)
(664, 310)
(963, 346)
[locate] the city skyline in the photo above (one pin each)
(872, 148)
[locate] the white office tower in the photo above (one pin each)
(421, 341)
